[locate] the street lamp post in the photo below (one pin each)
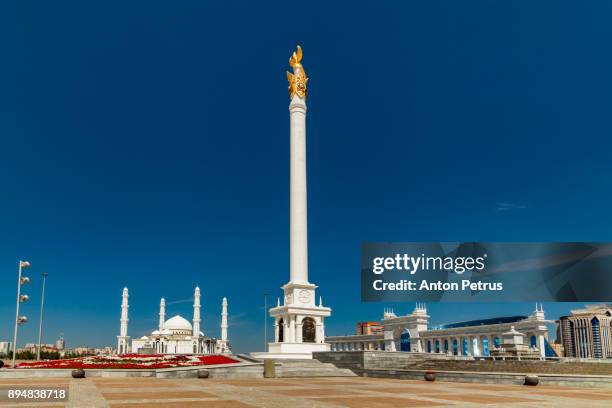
(22, 280)
(265, 322)
(42, 305)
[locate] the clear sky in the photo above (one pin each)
(146, 144)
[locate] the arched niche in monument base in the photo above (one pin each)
(308, 330)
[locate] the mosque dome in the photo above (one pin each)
(165, 331)
(178, 324)
(155, 333)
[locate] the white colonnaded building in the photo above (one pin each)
(476, 338)
(175, 335)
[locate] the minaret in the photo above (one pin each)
(196, 312)
(299, 328)
(224, 320)
(124, 312)
(162, 314)
(123, 338)
(223, 344)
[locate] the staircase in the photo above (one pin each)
(310, 368)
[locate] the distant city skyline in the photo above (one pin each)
(148, 147)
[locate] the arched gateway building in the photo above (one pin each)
(478, 338)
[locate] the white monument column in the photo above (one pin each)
(162, 314)
(123, 339)
(298, 197)
(196, 312)
(301, 317)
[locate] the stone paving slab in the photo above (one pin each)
(479, 398)
(402, 390)
(134, 384)
(334, 383)
(258, 383)
(574, 395)
(155, 395)
(382, 402)
(207, 404)
(317, 392)
(38, 405)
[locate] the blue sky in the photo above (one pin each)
(146, 144)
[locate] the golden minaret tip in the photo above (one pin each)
(297, 80)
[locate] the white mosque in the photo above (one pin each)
(175, 335)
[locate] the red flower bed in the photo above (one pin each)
(132, 361)
(211, 360)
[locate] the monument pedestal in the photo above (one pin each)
(299, 327)
(291, 351)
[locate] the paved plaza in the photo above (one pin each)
(355, 392)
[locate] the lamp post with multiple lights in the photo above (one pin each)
(23, 280)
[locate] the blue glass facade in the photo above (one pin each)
(596, 337)
(483, 322)
(405, 341)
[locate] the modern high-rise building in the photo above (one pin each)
(5, 347)
(557, 348)
(369, 328)
(587, 333)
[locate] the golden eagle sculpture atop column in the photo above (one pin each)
(297, 80)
